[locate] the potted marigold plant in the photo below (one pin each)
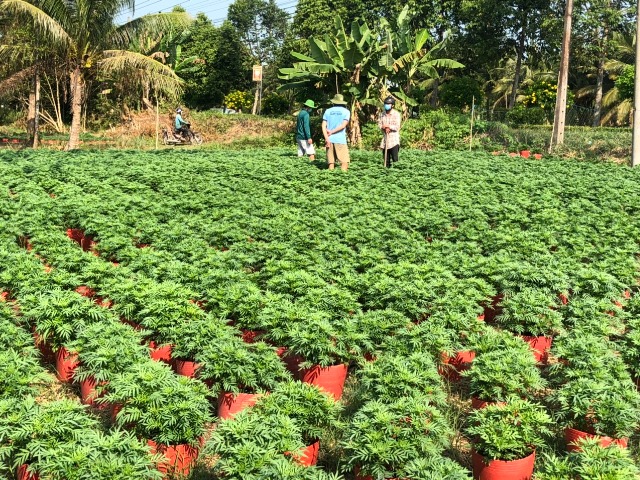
(58, 316)
(531, 314)
(505, 438)
(497, 375)
(382, 437)
(590, 459)
(318, 349)
(169, 411)
(249, 442)
(313, 413)
(104, 350)
(605, 409)
(239, 373)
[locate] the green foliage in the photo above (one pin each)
(234, 366)
(106, 349)
(520, 115)
(163, 407)
(390, 377)
(500, 374)
(250, 443)
(275, 104)
(237, 100)
(590, 461)
(625, 83)
(312, 411)
(508, 432)
(460, 92)
(382, 437)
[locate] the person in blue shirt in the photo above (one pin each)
(334, 128)
(179, 122)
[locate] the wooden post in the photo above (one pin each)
(157, 121)
(473, 108)
(635, 149)
(557, 137)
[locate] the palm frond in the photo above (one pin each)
(151, 25)
(10, 85)
(161, 77)
(51, 29)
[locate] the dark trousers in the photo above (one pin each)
(392, 155)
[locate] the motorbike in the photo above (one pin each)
(186, 137)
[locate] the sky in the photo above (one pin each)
(216, 10)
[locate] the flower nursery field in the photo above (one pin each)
(250, 315)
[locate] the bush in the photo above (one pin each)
(460, 92)
(520, 115)
(274, 104)
(626, 83)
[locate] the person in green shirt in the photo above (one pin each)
(303, 131)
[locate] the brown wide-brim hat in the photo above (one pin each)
(338, 100)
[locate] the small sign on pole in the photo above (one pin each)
(257, 73)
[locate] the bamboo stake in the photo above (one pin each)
(157, 122)
(473, 107)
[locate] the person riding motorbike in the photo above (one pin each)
(181, 126)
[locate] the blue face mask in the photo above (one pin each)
(387, 107)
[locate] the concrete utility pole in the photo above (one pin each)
(557, 137)
(635, 150)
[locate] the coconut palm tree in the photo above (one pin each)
(85, 34)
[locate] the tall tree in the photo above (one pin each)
(85, 32)
(595, 22)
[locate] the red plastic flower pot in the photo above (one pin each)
(250, 336)
(537, 156)
(229, 404)
(454, 364)
(521, 469)
(572, 436)
(564, 300)
(308, 456)
(540, 346)
(525, 153)
(88, 243)
(188, 368)
(329, 379)
(478, 404)
(134, 325)
(178, 459)
(86, 291)
(75, 234)
(160, 353)
(24, 473)
(66, 364)
(88, 393)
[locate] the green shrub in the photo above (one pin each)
(460, 92)
(508, 432)
(274, 104)
(520, 115)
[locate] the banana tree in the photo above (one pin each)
(349, 63)
(413, 62)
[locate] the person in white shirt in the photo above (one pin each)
(389, 122)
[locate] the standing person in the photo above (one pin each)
(389, 123)
(303, 131)
(334, 128)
